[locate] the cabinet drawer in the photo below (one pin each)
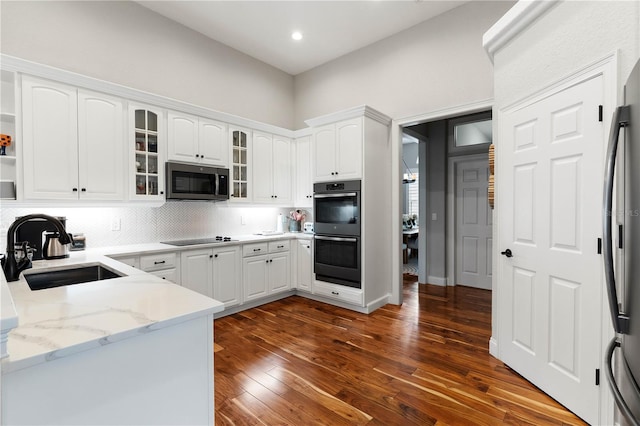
(154, 262)
(338, 292)
(278, 246)
(167, 274)
(132, 261)
(254, 249)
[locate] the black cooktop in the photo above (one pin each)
(197, 241)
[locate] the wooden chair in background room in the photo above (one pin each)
(412, 244)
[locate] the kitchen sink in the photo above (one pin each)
(73, 275)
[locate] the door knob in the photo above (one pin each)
(507, 253)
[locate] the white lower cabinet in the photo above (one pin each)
(197, 271)
(304, 264)
(266, 269)
(226, 275)
(213, 272)
(338, 292)
(165, 265)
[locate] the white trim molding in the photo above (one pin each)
(517, 19)
(359, 111)
(396, 171)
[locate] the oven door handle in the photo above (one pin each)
(349, 240)
(342, 194)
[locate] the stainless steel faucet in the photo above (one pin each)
(10, 265)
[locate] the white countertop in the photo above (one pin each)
(58, 322)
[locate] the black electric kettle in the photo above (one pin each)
(52, 248)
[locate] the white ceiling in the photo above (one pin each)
(262, 29)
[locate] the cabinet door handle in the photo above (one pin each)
(84, 190)
(257, 249)
(160, 262)
(75, 189)
(210, 256)
(280, 246)
(266, 261)
(335, 292)
(271, 261)
(215, 255)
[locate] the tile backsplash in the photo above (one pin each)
(140, 224)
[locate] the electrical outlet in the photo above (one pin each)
(243, 220)
(434, 216)
(115, 224)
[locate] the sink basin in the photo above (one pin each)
(74, 275)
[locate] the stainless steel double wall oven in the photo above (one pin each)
(337, 214)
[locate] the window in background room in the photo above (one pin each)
(413, 195)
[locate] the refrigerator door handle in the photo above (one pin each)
(617, 395)
(620, 120)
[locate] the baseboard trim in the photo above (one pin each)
(442, 281)
(493, 347)
(378, 303)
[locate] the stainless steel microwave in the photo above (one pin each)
(196, 182)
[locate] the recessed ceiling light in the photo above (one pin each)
(296, 35)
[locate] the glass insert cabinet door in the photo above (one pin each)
(147, 163)
(239, 165)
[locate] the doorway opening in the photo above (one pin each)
(446, 218)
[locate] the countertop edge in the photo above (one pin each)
(13, 366)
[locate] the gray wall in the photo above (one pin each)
(436, 195)
(434, 65)
(571, 35)
(432, 259)
(125, 43)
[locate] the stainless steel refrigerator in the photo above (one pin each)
(621, 235)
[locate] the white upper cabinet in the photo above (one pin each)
(50, 132)
(101, 147)
(262, 167)
(303, 181)
(349, 143)
(337, 151)
(240, 171)
(182, 137)
(73, 143)
(147, 145)
(282, 170)
(197, 140)
(271, 169)
(214, 145)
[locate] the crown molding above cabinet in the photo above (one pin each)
(518, 18)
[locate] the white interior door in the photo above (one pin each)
(549, 291)
(474, 242)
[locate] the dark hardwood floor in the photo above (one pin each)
(300, 362)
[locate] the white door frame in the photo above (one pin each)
(451, 211)
(396, 185)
